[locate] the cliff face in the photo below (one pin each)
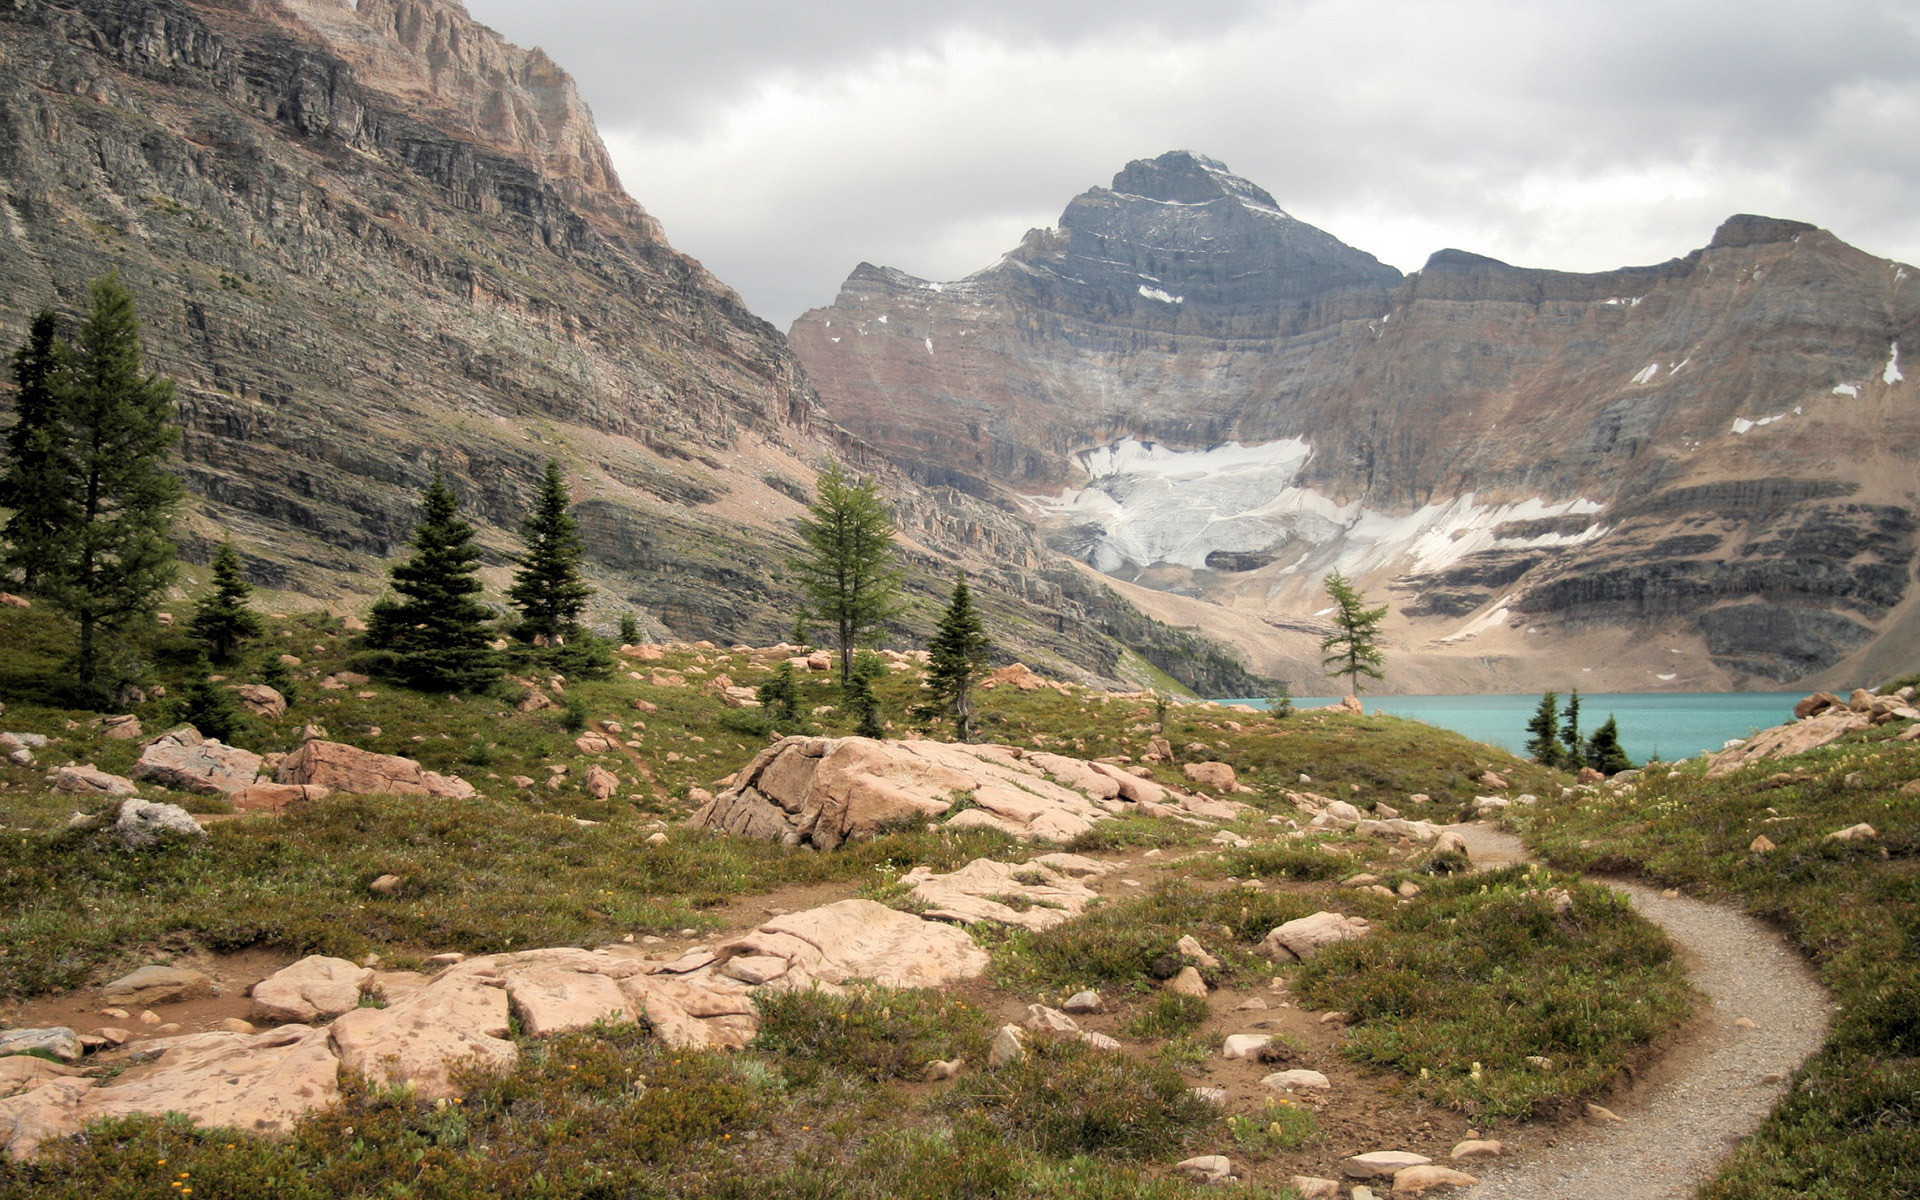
(372, 239)
(1719, 454)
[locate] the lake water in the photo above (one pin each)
(1671, 725)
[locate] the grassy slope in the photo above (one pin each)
(1850, 1125)
(801, 1115)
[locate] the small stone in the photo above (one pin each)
(1190, 947)
(1745, 1023)
(448, 959)
(1761, 845)
(657, 839)
(1041, 1019)
(114, 1035)
(1597, 1113)
(386, 885)
(1082, 1003)
(1244, 1045)
(114, 1014)
(1862, 832)
(1408, 889)
(1297, 1081)
(1477, 1148)
(1251, 1004)
(1381, 1164)
(1009, 1045)
(1335, 1017)
(236, 1025)
(1312, 1187)
(1416, 1181)
(1540, 1061)
(944, 1069)
(1207, 1168)
(158, 985)
(1188, 983)
(1212, 1095)
(1671, 893)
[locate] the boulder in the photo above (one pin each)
(314, 989)
(1862, 832)
(58, 1040)
(260, 1083)
(183, 760)
(1337, 814)
(1041, 1019)
(601, 783)
(1304, 936)
(123, 728)
(1189, 947)
(157, 985)
(1817, 703)
(1017, 675)
(1784, 740)
(1244, 1045)
(823, 792)
(261, 700)
(1188, 983)
(44, 1112)
(1312, 1187)
(1207, 1168)
(552, 999)
(1478, 1148)
(16, 749)
(24, 1072)
(347, 769)
(89, 780)
(273, 797)
(1216, 776)
(1009, 1045)
(142, 824)
(1349, 704)
(1084, 1003)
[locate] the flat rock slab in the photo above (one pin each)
(458, 1019)
(257, 1082)
(862, 939)
(316, 988)
(980, 891)
(149, 986)
(1784, 740)
(183, 760)
(344, 768)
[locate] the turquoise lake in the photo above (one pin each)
(1669, 725)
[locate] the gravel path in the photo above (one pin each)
(1695, 1105)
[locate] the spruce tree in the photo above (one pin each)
(224, 620)
(849, 576)
(114, 426)
(1570, 731)
(1353, 648)
(435, 636)
(548, 589)
(861, 703)
(778, 695)
(1544, 745)
(958, 654)
(210, 708)
(36, 483)
(629, 629)
(1604, 752)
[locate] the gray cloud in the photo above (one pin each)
(783, 143)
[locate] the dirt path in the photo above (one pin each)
(1694, 1106)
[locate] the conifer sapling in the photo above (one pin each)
(957, 656)
(223, 620)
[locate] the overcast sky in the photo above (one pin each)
(783, 141)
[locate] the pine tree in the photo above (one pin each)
(1570, 731)
(1544, 745)
(860, 702)
(959, 652)
(850, 577)
(113, 428)
(276, 675)
(1604, 753)
(629, 629)
(548, 589)
(223, 620)
(210, 708)
(36, 483)
(1353, 648)
(436, 634)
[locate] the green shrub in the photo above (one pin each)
(1171, 1015)
(1282, 1125)
(872, 1032)
(1065, 1097)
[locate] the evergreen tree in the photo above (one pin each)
(860, 702)
(436, 634)
(223, 620)
(113, 428)
(548, 589)
(36, 483)
(958, 654)
(210, 708)
(1570, 731)
(629, 629)
(1353, 648)
(1544, 745)
(1280, 704)
(1604, 753)
(778, 695)
(276, 675)
(850, 578)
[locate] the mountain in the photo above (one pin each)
(1695, 475)
(371, 239)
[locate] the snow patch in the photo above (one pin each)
(1892, 374)
(883, 318)
(1480, 624)
(1163, 297)
(1146, 504)
(1666, 678)
(1647, 373)
(1628, 301)
(1845, 389)
(929, 342)
(835, 341)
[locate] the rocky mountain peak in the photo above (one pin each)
(1183, 177)
(1746, 229)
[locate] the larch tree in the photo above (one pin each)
(548, 589)
(224, 620)
(436, 635)
(111, 431)
(958, 654)
(849, 575)
(1353, 648)
(35, 485)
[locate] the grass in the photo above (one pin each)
(1461, 989)
(1281, 1126)
(1850, 1124)
(1171, 1015)
(872, 1033)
